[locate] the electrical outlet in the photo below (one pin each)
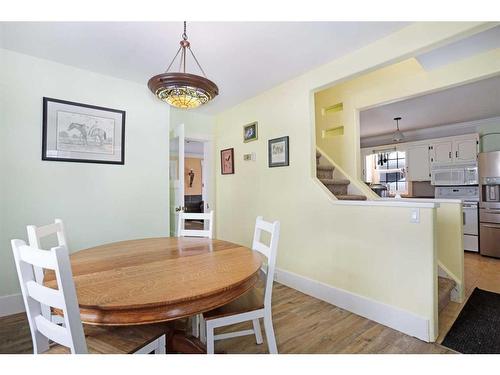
(415, 215)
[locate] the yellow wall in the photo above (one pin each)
(450, 242)
(398, 81)
(372, 251)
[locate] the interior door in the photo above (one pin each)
(176, 176)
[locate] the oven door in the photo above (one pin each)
(470, 219)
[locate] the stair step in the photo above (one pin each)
(324, 172)
(445, 286)
(325, 168)
(329, 181)
(351, 197)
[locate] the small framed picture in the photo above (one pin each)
(76, 132)
(227, 161)
(250, 132)
(278, 152)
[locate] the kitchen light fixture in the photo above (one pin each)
(397, 136)
(181, 89)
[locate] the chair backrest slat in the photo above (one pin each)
(52, 331)
(207, 233)
(35, 233)
(269, 251)
(47, 296)
(38, 258)
(36, 295)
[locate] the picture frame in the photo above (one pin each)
(227, 161)
(278, 152)
(250, 132)
(82, 133)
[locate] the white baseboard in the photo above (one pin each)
(12, 304)
(390, 316)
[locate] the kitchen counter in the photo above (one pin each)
(423, 200)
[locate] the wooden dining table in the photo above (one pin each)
(155, 280)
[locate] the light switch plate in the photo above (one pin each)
(415, 215)
(249, 157)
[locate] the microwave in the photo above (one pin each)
(454, 175)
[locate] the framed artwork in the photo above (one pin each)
(278, 152)
(227, 161)
(250, 132)
(82, 133)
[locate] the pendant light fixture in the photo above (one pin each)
(397, 136)
(181, 89)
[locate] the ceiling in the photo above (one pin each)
(474, 101)
(243, 58)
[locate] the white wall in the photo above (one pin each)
(99, 203)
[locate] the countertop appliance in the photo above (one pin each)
(470, 199)
(489, 204)
(379, 189)
(454, 174)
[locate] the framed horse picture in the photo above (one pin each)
(82, 133)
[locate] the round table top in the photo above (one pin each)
(160, 279)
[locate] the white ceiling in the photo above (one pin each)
(474, 101)
(243, 58)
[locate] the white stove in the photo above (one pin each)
(470, 214)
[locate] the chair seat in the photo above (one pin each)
(250, 301)
(115, 340)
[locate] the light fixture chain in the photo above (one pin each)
(184, 35)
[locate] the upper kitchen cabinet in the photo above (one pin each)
(459, 149)
(466, 150)
(418, 165)
(441, 151)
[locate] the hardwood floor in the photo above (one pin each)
(304, 324)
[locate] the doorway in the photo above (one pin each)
(195, 181)
(191, 177)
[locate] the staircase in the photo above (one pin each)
(445, 286)
(338, 186)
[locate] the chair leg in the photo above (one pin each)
(210, 338)
(268, 327)
(257, 331)
(203, 329)
(195, 322)
(162, 343)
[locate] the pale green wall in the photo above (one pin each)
(99, 203)
(490, 142)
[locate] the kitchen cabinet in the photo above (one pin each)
(460, 149)
(442, 152)
(465, 150)
(418, 165)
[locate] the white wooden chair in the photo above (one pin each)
(140, 339)
(254, 304)
(183, 232)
